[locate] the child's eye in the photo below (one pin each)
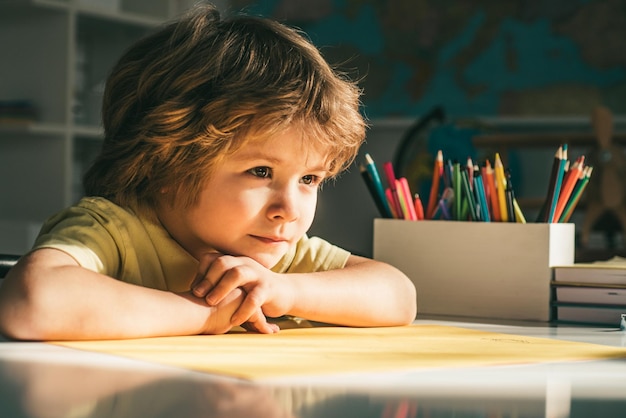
(263, 172)
(311, 179)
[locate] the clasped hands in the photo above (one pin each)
(243, 292)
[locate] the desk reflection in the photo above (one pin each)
(45, 390)
(44, 381)
(51, 390)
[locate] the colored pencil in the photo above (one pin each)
(576, 195)
(557, 185)
(446, 201)
(482, 198)
(434, 188)
(391, 202)
(377, 185)
(500, 181)
(545, 208)
(470, 172)
(469, 197)
(391, 182)
(490, 188)
(405, 192)
(519, 215)
(569, 182)
(367, 178)
(419, 208)
(510, 198)
(456, 186)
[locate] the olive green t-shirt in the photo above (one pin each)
(116, 241)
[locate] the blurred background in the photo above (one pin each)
(471, 78)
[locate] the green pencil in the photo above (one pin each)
(456, 185)
(576, 195)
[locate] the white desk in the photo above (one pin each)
(41, 380)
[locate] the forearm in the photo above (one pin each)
(69, 302)
(364, 293)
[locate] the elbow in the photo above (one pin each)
(409, 313)
(19, 324)
(404, 297)
(21, 313)
(407, 303)
(18, 327)
(15, 330)
(403, 310)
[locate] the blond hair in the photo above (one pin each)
(182, 98)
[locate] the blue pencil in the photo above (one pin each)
(482, 198)
(378, 185)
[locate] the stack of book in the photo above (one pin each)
(590, 293)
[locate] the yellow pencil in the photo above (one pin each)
(500, 187)
(519, 215)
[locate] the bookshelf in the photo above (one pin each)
(55, 56)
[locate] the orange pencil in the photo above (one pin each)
(419, 208)
(434, 188)
(490, 186)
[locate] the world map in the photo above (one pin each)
(487, 58)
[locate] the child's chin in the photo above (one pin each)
(267, 260)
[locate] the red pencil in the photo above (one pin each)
(391, 181)
(392, 204)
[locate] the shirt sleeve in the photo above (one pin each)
(84, 235)
(311, 255)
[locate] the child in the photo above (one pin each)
(218, 135)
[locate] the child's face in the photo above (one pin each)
(258, 202)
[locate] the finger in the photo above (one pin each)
(258, 322)
(202, 284)
(250, 307)
(266, 328)
(231, 276)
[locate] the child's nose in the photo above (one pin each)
(285, 205)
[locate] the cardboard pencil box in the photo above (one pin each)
(477, 269)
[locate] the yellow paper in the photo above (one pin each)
(333, 350)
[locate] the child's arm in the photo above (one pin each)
(48, 296)
(363, 293)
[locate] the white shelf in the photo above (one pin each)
(32, 6)
(31, 128)
(120, 16)
(59, 56)
(152, 13)
(88, 132)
